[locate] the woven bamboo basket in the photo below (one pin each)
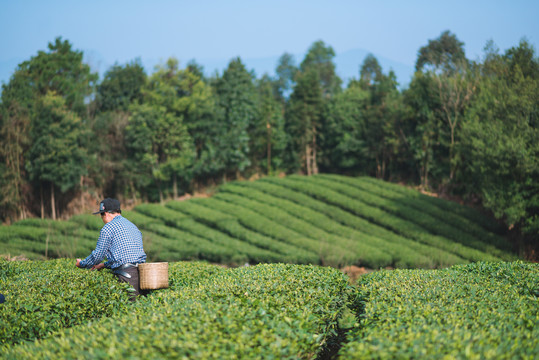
(153, 275)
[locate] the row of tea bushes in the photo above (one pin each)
(45, 296)
(383, 218)
(286, 189)
(259, 312)
(438, 208)
(374, 251)
(38, 239)
(423, 217)
(344, 250)
(323, 219)
(476, 217)
(243, 251)
(204, 212)
(474, 311)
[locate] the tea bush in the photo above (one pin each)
(421, 217)
(381, 217)
(289, 189)
(475, 311)
(367, 246)
(323, 219)
(266, 311)
(44, 296)
(230, 225)
(421, 202)
(488, 223)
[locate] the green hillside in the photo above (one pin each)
(328, 220)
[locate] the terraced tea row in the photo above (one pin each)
(284, 311)
(473, 311)
(264, 311)
(324, 219)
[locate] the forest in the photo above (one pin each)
(465, 129)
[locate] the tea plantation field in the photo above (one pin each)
(329, 220)
(481, 310)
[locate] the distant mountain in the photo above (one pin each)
(347, 63)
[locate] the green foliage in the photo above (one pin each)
(344, 129)
(43, 297)
(267, 137)
(159, 144)
(501, 138)
(445, 53)
(481, 310)
(266, 311)
(371, 250)
(403, 250)
(415, 214)
(383, 218)
(324, 219)
(319, 58)
(121, 86)
(461, 127)
(359, 251)
(56, 154)
(231, 226)
(303, 120)
(236, 99)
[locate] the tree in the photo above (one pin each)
(56, 156)
(121, 86)
(370, 71)
(59, 72)
(267, 138)
(303, 120)
(344, 144)
(62, 71)
(380, 113)
(444, 54)
(423, 133)
(500, 139)
(286, 73)
(444, 61)
(319, 59)
(159, 145)
(15, 114)
(236, 100)
(158, 138)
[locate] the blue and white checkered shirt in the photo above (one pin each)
(120, 242)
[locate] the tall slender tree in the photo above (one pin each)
(267, 139)
(319, 59)
(444, 61)
(303, 121)
(236, 99)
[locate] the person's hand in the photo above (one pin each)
(98, 266)
(77, 263)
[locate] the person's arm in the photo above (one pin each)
(97, 256)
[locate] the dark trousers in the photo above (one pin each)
(133, 281)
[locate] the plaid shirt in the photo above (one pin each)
(120, 241)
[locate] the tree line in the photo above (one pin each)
(463, 127)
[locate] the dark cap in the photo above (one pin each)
(108, 205)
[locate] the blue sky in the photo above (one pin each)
(214, 32)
